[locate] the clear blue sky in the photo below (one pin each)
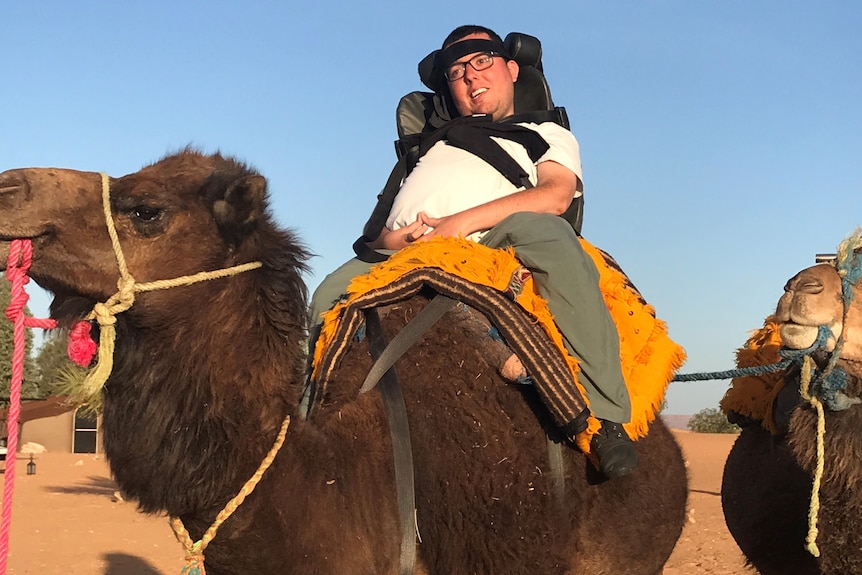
(720, 140)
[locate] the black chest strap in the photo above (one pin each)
(474, 134)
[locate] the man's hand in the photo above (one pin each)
(400, 238)
(454, 226)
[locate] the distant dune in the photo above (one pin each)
(676, 421)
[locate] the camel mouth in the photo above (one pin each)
(798, 336)
(68, 308)
(6, 240)
(67, 305)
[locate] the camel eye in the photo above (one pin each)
(146, 214)
(148, 221)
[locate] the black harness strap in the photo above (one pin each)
(473, 134)
(402, 449)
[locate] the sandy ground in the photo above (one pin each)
(67, 520)
(705, 545)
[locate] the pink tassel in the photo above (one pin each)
(81, 348)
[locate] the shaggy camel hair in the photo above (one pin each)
(204, 375)
(767, 482)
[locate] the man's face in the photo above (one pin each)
(490, 91)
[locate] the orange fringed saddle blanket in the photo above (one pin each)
(649, 357)
(753, 396)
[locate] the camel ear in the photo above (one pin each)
(241, 206)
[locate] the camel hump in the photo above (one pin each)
(542, 359)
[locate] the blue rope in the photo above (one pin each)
(828, 385)
(731, 373)
(790, 356)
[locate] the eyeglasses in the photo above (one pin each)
(478, 62)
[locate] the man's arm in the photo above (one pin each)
(555, 187)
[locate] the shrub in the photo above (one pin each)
(711, 420)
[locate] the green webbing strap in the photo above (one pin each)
(557, 464)
(402, 450)
(405, 338)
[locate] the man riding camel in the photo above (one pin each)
(454, 193)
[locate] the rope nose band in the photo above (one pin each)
(105, 313)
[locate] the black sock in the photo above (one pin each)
(577, 425)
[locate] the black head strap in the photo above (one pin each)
(449, 55)
(431, 68)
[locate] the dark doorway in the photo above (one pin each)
(85, 433)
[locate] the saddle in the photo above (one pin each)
(494, 283)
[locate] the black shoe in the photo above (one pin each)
(614, 449)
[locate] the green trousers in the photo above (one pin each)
(565, 275)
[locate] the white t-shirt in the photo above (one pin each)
(448, 180)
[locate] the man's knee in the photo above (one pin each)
(534, 227)
(333, 287)
(324, 297)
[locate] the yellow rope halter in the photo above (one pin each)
(195, 549)
(814, 506)
(105, 314)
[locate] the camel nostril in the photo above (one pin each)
(811, 286)
(11, 183)
(804, 284)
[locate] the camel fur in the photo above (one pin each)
(204, 375)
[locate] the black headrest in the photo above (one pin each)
(526, 50)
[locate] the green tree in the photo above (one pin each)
(54, 363)
(711, 420)
(30, 385)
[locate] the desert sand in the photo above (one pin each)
(67, 519)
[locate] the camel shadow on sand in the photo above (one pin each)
(122, 564)
(94, 485)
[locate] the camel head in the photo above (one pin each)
(217, 357)
(184, 214)
(814, 298)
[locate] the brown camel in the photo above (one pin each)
(767, 484)
(204, 375)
